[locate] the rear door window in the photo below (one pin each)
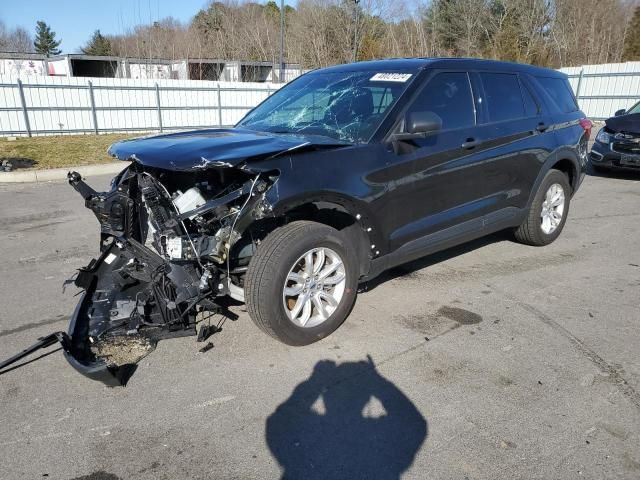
(448, 95)
(503, 96)
(560, 92)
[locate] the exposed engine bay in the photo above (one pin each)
(171, 244)
(178, 228)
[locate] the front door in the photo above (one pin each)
(445, 182)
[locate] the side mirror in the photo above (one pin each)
(418, 125)
(423, 123)
(620, 112)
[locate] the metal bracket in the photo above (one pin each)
(42, 342)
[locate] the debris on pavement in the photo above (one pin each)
(206, 348)
(206, 331)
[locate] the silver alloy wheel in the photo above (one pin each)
(552, 208)
(314, 287)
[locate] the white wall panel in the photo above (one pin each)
(63, 105)
(604, 89)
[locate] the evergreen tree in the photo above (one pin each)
(442, 23)
(46, 42)
(97, 45)
(632, 42)
(273, 8)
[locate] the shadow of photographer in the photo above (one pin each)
(345, 421)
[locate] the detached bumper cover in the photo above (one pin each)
(96, 369)
(78, 352)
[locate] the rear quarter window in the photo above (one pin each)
(560, 92)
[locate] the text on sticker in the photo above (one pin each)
(390, 77)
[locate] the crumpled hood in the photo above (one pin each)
(201, 149)
(629, 123)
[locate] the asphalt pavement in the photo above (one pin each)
(492, 360)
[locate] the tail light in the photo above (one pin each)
(586, 125)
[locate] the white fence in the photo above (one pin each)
(49, 105)
(603, 89)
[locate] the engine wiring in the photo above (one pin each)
(238, 214)
(233, 226)
(184, 227)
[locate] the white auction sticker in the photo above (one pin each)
(109, 259)
(390, 77)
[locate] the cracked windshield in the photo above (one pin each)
(344, 106)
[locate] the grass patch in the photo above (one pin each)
(58, 151)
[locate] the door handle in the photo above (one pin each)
(471, 143)
(542, 127)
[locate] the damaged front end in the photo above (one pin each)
(172, 243)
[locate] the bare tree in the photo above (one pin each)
(589, 31)
(326, 32)
(17, 40)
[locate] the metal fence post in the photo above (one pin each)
(579, 85)
(159, 107)
(219, 107)
(24, 107)
(92, 101)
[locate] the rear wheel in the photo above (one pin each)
(301, 282)
(548, 212)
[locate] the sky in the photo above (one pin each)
(75, 20)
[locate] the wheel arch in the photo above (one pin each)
(564, 160)
(353, 223)
(569, 167)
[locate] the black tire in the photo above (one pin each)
(530, 231)
(268, 270)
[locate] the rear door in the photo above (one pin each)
(566, 115)
(514, 128)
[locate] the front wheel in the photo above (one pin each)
(301, 282)
(548, 212)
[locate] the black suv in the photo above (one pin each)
(341, 174)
